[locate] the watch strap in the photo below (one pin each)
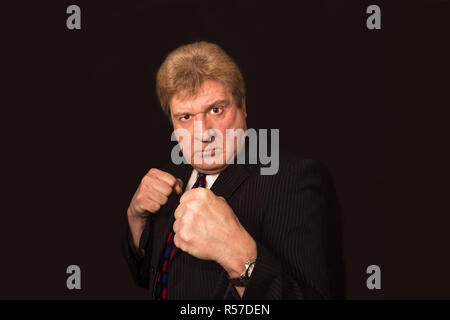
(242, 281)
(239, 282)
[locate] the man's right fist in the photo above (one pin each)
(153, 192)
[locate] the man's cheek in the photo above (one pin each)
(186, 146)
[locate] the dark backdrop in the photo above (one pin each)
(82, 125)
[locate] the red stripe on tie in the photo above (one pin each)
(171, 254)
(164, 293)
(170, 236)
(164, 266)
(159, 277)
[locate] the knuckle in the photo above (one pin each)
(193, 212)
(176, 240)
(171, 179)
(203, 192)
(138, 198)
(191, 207)
(178, 212)
(138, 209)
(189, 235)
(167, 190)
(155, 207)
(195, 205)
(186, 217)
(184, 234)
(164, 200)
(183, 197)
(144, 180)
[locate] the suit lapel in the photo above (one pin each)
(229, 180)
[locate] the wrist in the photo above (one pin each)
(235, 264)
(135, 220)
(134, 216)
(137, 226)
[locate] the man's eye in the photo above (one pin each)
(185, 117)
(216, 110)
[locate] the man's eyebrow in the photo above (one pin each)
(179, 114)
(222, 101)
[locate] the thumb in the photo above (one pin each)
(178, 186)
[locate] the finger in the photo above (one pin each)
(150, 205)
(161, 187)
(197, 193)
(178, 212)
(179, 186)
(157, 197)
(187, 195)
(176, 226)
(176, 241)
(164, 176)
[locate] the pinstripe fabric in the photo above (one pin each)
(290, 215)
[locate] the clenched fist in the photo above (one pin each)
(153, 192)
(207, 228)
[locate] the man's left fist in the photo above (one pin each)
(207, 228)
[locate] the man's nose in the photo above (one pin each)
(203, 130)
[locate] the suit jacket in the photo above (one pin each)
(292, 217)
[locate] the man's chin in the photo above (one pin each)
(209, 168)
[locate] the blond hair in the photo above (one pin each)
(184, 70)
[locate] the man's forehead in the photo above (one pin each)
(202, 99)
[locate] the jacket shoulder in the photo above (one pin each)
(300, 169)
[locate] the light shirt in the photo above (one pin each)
(210, 178)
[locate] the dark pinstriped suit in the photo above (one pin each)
(291, 216)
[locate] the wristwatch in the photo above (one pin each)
(242, 281)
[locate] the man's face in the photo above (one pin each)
(214, 110)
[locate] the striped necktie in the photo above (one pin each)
(162, 277)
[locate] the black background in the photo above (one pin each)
(81, 125)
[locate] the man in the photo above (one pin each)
(214, 230)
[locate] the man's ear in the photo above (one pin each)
(244, 107)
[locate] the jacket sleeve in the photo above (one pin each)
(138, 263)
(293, 254)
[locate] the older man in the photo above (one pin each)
(214, 230)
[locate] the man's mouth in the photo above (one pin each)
(209, 152)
